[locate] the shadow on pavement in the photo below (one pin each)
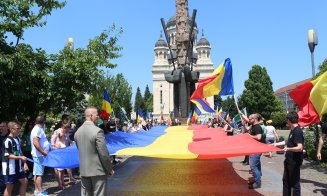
(309, 164)
(152, 176)
(318, 185)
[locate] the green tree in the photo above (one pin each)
(148, 99)
(229, 103)
(258, 95)
(120, 94)
(322, 68)
(23, 70)
(279, 119)
(34, 82)
(217, 101)
(77, 72)
(139, 102)
(17, 16)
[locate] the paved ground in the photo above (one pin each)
(149, 176)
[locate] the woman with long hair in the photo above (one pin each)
(26, 146)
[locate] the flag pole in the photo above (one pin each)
(123, 111)
(226, 122)
(235, 99)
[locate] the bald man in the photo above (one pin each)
(95, 163)
(40, 148)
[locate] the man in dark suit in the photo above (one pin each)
(95, 165)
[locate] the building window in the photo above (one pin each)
(160, 96)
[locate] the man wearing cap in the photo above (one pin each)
(321, 139)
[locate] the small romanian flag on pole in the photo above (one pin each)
(140, 116)
(106, 105)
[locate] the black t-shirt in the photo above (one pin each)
(105, 128)
(295, 137)
(324, 128)
(112, 126)
(255, 130)
(229, 128)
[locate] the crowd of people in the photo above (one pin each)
(19, 148)
(23, 151)
(255, 126)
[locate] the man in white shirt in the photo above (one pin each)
(40, 148)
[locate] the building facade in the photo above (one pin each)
(287, 101)
(162, 90)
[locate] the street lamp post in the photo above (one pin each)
(312, 42)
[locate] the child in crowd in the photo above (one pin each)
(61, 143)
(13, 162)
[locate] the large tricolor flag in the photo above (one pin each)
(106, 105)
(175, 142)
(219, 83)
(311, 97)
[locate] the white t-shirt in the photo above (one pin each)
(38, 131)
(270, 131)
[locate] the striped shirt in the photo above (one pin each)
(11, 147)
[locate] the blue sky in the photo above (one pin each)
(272, 34)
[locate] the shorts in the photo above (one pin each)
(38, 169)
(12, 179)
(270, 140)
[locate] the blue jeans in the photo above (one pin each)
(255, 165)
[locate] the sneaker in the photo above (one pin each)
(43, 193)
(255, 186)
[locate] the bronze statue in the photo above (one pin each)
(183, 77)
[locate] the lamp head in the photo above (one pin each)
(312, 39)
(70, 43)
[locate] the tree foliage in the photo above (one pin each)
(279, 119)
(148, 99)
(217, 101)
(228, 105)
(33, 81)
(139, 101)
(258, 95)
(76, 72)
(119, 90)
(23, 70)
(322, 68)
(17, 16)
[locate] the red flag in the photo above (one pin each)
(307, 112)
